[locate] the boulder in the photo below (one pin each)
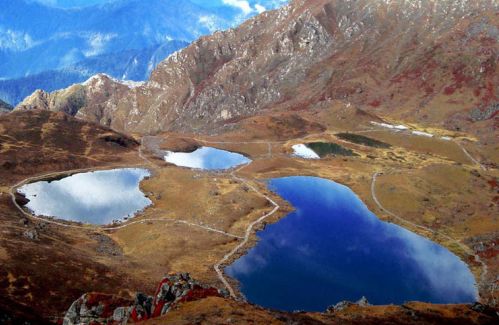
(92, 308)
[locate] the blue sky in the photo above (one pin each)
(72, 3)
(244, 5)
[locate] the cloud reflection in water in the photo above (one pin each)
(206, 158)
(332, 248)
(96, 197)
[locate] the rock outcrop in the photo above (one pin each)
(87, 100)
(426, 61)
(98, 308)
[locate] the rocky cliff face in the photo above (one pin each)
(88, 100)
(427, 61)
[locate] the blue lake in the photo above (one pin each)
(332, 248)
(206, 158)
(96, 197)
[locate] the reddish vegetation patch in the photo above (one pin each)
(489, 94)
(488, 41)
(494, 184)
(198, 293)
(459, 76)
(470, 260)
(375, 103)
(108, 309)
(412, 74)
(491, 251)
(449, 90)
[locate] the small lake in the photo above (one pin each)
(97, 197)
(317, 150)
(332, 248)
(302, 151)
(206, 158)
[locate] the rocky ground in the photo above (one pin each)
(181, 300)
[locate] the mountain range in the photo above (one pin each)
(122, 38)
(382, 56)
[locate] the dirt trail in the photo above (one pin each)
(401, 220)
(248, 233)
(13, 190)
(470, 156)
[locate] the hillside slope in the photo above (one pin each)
(431, 62)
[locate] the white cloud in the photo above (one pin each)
(97, 197)
(206, 158)
(97, 43)
(243, 5)
(260, 8)
(15, 40)
(209, 22)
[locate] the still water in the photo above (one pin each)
(206, 158)
(332, 248)
(97, 197)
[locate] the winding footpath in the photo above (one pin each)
(218, 267)
(13, 190)
(465, 248)
(470, 156)
(249, 231)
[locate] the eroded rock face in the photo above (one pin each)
(87, 100)
(374, 54)
(413, 60)
(97, 308)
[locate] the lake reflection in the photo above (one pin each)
(96, 197)
(302, 151)
(332, 248)
(206, 158)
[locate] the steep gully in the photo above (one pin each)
(218, 267)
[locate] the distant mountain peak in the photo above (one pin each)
(5, 107)
(100, 78)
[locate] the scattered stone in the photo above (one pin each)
(107, 246)
(342, 305)
(174, 289)
(409, 311)
(31, 234)
(339, 306)
(363, 302)
(21, 199)
(475, 173)
(486, 113)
